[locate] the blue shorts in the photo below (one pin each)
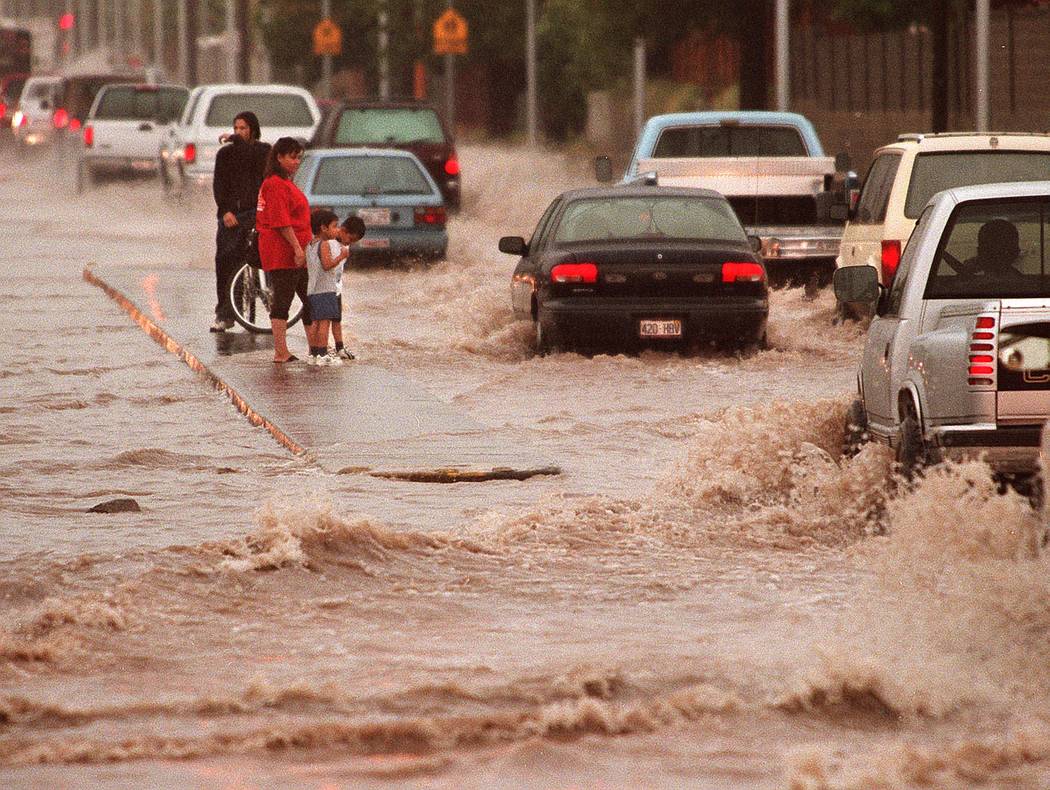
(325, 306)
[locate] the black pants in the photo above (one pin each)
(287, 284)
(229, 252)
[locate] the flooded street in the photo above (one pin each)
(708, 596)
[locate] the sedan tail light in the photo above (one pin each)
(743, 272)
(189, 154)
(89, 136)
(891, 258)
(60, 119)
(575, 273)
(430, 215)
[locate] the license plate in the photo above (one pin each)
(374, 216)
(374, 244)
(654, 328)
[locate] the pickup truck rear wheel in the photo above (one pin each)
(856, 433)
(911, 448)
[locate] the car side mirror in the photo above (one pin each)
(856, 285)
(839, 212)
(603, 169)
(825, 203)
(755, 242)
(513, 245)
(882, 305)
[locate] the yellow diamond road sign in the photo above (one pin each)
(450, 34)
(328, 38)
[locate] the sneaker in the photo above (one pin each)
(323, 360)
(333, 359)
(221, 326)
(344, 353)
(312, 359)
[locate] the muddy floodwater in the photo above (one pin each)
(709, 596)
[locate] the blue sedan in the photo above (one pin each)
(400, 204)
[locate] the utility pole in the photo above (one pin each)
(326, 60)
(184, 43)
(384, 61)
(783, 43)
(158, 37)
(233, 44)
(531, 120)
(639, 84)
(981, 14)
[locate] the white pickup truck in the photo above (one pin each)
(769, 165)
(957, 359)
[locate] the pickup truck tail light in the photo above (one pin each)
(452, 166)
(575, 273)
(189, 153)
(982, 353)
(743, 272)
(891, 258)
(430, 215)
(89, 136)
(3, 110)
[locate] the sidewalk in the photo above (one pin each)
(384, 425)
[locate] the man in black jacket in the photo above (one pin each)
(239, 168)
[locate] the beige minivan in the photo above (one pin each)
(904, 175)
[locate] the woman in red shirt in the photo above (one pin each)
(283, 222)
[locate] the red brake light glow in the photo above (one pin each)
(3, 110)
(891, 258)
(743, 272)
(190, 153)
(89, 136)
(74, 124)
(60, 119)
(430, 215)
(452, 166)
(575, 273)
(981, 364)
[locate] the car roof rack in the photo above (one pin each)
(919, 137)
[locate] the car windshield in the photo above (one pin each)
(674, 217)
(272, 109)
(370, 175)
(131, 103)
(993, 250)
(386, 126)
(933, 172)
(39, 90)
(706, 141)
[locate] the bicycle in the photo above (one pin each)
(251, 295)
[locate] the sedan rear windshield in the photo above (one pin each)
(370, 175)
(272, 109)
(993, 250)
(672, 217)
(130, 103)
(388, 126)
(933, 172)
(706, 141)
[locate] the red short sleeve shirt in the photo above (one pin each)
(281, 205)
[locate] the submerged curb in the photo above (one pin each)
(175, 347)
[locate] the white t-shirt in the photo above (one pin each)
(323, 280)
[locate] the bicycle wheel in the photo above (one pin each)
(251, 299)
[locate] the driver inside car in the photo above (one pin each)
(998, 250)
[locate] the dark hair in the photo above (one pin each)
(320, 217)
(252, 120)
(283, 146)
(354, 225)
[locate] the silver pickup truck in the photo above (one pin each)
(957, 359)
(771, 168)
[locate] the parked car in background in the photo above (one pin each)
(401, 206)
(75, 97)
(628, 266)
(32, 120)
(769, 165)
(407, 125)
(187, 151)
(10, 91)
(904, 175)
(957, 359)
(124, 128)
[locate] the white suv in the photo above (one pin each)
(32, 121)
(188, 150)
(903, 177)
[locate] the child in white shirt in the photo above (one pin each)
(324, 266)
